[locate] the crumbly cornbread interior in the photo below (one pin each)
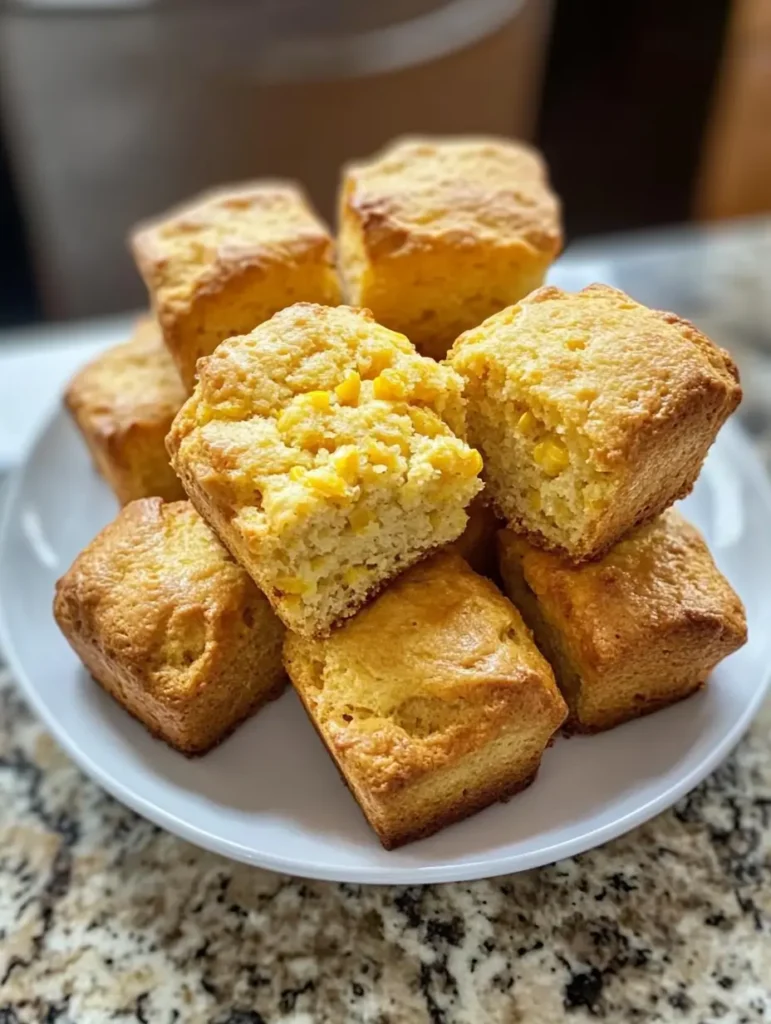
(322, 448)
(561, 389)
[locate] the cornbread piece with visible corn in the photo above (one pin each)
(171, 627)
(477, 544)
(592, 413)
(638, 630)
(124, 403)
(230, 259)
(322, 449)
(433, 701)
(437, 234)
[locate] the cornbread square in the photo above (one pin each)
(478, 543)
(124, 403)
(170, 626)
(433, 701)
(592, 412)
(437, 234)
(629, 634)
(230, 259)
(322, 449)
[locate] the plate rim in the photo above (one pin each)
(741, 448)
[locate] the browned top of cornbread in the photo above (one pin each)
(312, 406)
(596, 366)
(659, 579)
(455, 191)
(128, 384)
(156, 591)
(199, 246)
(436, 666)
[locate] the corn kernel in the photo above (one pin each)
(575, 344)
(379, 360)
(551, 456)
(347, 466)
(348, 392)
(527, 423)
(319, 400)
(288, 419)
(296, 473)
(327, 483)
(388, 386)
(355, 574)
(472, 463)
(379, 455)
(291, 584)
(359, 519)
(426, 423)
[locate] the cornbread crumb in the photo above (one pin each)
(433, 701)
(303, 485)
(437, 234)
(592, 412)
(638, 630)
(170, 626)
(124, 403)
(229, 259)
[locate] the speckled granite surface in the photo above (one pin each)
(104, 917)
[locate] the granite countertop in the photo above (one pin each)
(105, 917)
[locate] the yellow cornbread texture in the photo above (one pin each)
(170, 626)
(437, 234)
(230, 259)
(633, 632)
(433, 701)
(327, 455)
(124, 403)
(593, 413)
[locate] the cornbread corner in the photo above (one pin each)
(438, 233)
(433, 701)
(322, 449)
(170, 626)
(229, 259)
(124, 403)
(478, 543)
(592, 412)
(634, 632)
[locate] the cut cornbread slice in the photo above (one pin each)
(639, 629)
(124, 403)
(437, 234)
(477, 544)
(321, 449)
(433, 701)
(170, 626)
(230, 259)
(592, 412)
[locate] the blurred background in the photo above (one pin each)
(649, 112)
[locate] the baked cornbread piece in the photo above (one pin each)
(230, 259)
(170, 626)
(592, 412)
(124, 403)
(320, 448)
(478, 543)
(638, 630)
(437, 234)
(433, 701)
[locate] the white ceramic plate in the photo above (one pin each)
(270, 796)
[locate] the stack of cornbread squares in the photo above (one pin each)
(347, 467)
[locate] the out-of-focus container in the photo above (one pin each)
(114, 110)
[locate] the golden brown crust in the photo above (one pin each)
(632, 398)
(124, 403)
(437, 234)
(227, 260)
(433, 676)
(170, 625)
(635, 631)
